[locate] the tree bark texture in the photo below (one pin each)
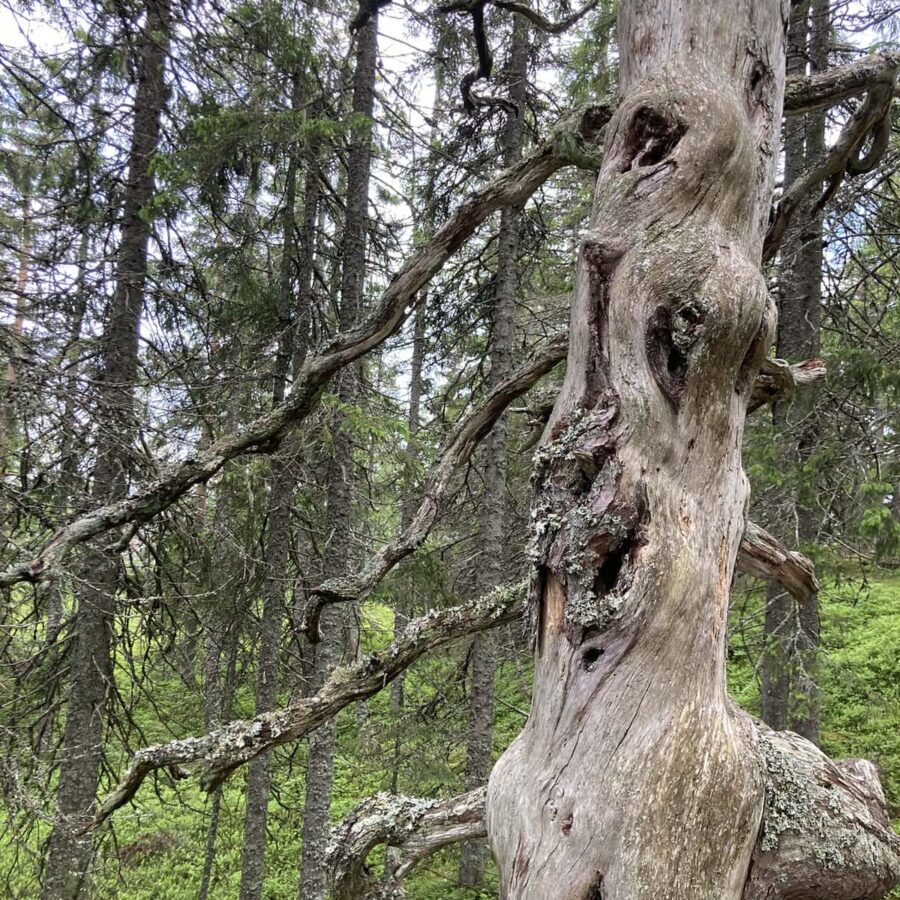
(634, 776)
(69, 856)
(489, 572)
(334, 618)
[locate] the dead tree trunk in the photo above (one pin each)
(69, 850)
(320, 766)
(634, 776)
(490, 570)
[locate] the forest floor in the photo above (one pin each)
(155, 850)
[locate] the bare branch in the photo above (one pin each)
(225, 749)
(574, 141)
(455, 452)
(777, 380)
(412, 827)
(542, 23)
(807, 94)
(764, 556)
(848, 155)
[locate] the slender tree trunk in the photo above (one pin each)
(401, 615)
(789, 692)
(333, 621)
(634, 777)
(490, 568)
(280, 490)
(223, 642)
(69, 852)
(7, 410)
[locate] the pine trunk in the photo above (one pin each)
(334, 618)
(279, 495)
(789, 696)
(69, 858)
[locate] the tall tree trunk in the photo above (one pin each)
(634, 777)
(333, 621)
(7, 408)
(490, 569)
(222, 642)
(70, 852)
(280, 491)
(789, 692)
(401, 612)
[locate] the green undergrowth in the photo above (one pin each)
(154, 851)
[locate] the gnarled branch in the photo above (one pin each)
(411, 827)
(542, 23)
(455, 452)
(777, 380)
(225, 749)
(828, 88)
(825, 834)
(567, 145)
(764, 556)
(849, 154)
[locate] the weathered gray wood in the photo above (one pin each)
(634, 777)
(413, 828)
(825, 833)
(224, 749)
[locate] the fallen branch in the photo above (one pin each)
(764, 556)
(225, 749)
(574, 141)
(411, 827)
(455, 452)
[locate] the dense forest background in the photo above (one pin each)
(197, 196)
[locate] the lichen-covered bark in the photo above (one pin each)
(634, 776)
(413, 828)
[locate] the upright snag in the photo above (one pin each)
(634, 776)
